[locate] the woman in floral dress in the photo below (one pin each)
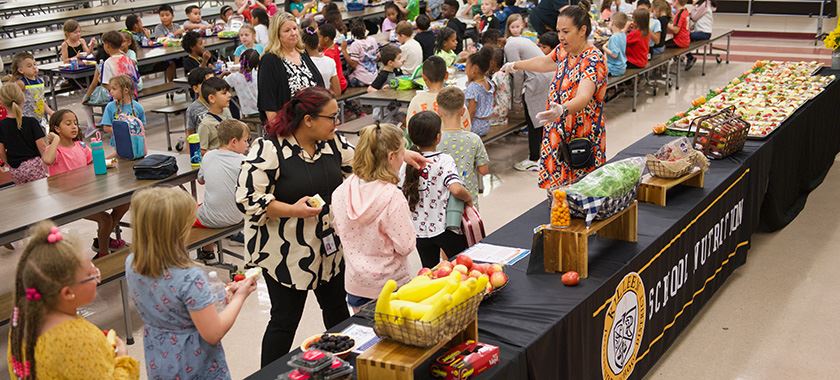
(575, 97)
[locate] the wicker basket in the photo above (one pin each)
(720, 134)
(676, 159)
(427, 334)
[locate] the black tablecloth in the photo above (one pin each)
(548, 331)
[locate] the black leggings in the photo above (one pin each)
(287, 309)
(448, 241)
(535, 135)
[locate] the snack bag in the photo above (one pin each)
(560, 214)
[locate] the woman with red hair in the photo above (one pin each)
(288, 232)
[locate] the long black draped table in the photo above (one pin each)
(640, 296)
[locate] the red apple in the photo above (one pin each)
(494, 268)
(475, 274)
(498, 279)
(465, 261)
(443, 271)
(425, 272)
(570, 278)
(461, 268)
(481, 267)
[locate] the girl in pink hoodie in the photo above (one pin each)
(371, 216)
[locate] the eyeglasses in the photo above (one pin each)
(97, 277)
(334, 118)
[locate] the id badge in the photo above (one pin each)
(329, 244)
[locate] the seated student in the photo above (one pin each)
(702, 14)
(216, 93)
(662, 12)
(134, 24)
(424, 36)
(428, 191)
(23, 146)
(244, 82)
(219, 174)
(465, 147)
(74, 46)
(198, 108)
(637, 40)
(48, 338)
(480, 90)
(487, 20)
(167, 27)
(393, 16)
(327, 34)
(68, 152)
(434, 75)
(124, 107)
(391, 59)
(412, 52)
(361, 55)
(547, 42)
(197, 56)
(445, 47)
(617, 45)
(247, 40)
(449, 12)
(655, 26)
(194, 21)
(679, 26)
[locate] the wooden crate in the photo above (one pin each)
(567, 249)
(390, 360)
(654, 189)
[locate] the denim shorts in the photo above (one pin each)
(356, 301)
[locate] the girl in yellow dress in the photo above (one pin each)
(48, 340)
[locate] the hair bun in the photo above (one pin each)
(585, 5)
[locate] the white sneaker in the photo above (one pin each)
(526, 166)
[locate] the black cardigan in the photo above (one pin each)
(273, 82)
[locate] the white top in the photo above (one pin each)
(412, 54)
(245, 90)
(706, 22)
(429, 216)
(326, 66)
(625, 8)
(262, 34)
(220, 172)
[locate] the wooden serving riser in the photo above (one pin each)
(567, 249)
(390, 360)
(654, 189)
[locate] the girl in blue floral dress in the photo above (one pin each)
(183, 330)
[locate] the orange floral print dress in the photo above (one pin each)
(587, 123)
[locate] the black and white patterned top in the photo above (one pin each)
(292, 250)
(299, 76)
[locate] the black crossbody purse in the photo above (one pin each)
(578, 152)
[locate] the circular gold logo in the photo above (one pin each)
(624, 326)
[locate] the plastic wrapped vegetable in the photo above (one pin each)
(611, 180)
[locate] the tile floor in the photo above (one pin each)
(762, 325)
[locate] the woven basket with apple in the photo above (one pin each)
(720, 134)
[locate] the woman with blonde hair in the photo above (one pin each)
(371, 216)
(183, 329)
(285, 68)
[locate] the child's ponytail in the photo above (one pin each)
(376, 142)
(48, 264)
(249, 61)
(423, 130)
(12, 98)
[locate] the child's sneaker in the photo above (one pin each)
(206, 255)
(237, 238)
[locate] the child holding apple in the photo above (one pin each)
(372, 218)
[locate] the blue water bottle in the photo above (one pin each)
(98, 157)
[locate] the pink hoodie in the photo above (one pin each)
(374, 224)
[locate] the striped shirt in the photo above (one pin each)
(292, 250)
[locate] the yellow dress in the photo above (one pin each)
(77, 349)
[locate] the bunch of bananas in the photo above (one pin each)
(425, 299)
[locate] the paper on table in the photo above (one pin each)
(364, 336)
(490, 253)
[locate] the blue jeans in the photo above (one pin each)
(356, 301)
(698, 36)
